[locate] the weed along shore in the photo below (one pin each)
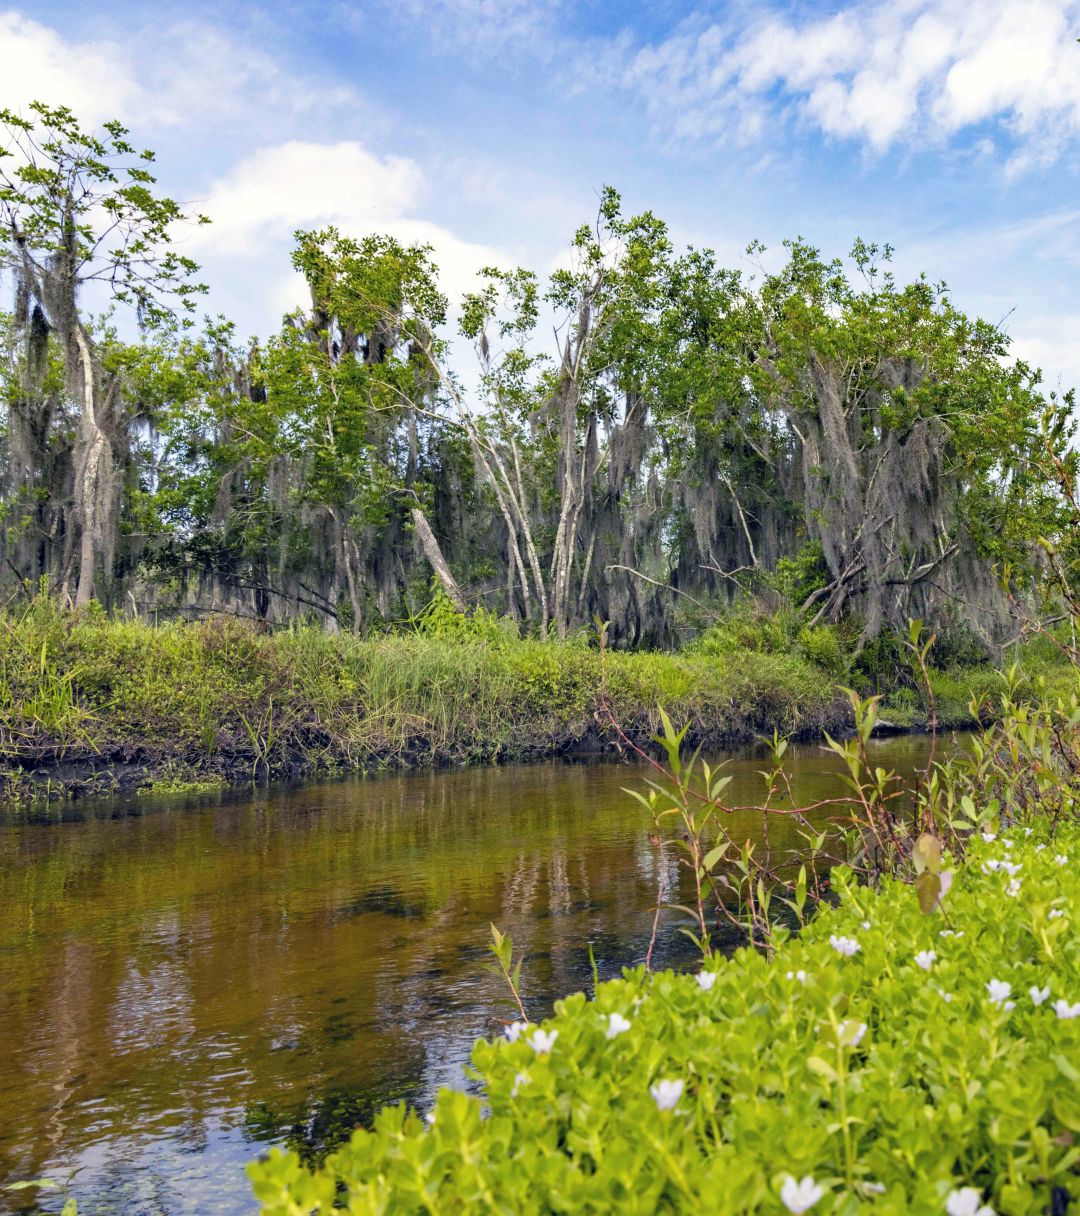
(89, 704)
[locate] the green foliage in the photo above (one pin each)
(222, 700)
(86, 200)
(892, 1076)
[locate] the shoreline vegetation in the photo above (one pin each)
(93, 705)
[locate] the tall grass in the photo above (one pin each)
(219, 698)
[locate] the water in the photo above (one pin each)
(182, 985)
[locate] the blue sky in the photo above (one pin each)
(487, 127)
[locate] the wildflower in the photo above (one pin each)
(967, 1202)
(874, 1188)
(513, 1031)
(951, 933)
(1013, 888)
(617, 1024)
(429, 1118)
(800, 1196)
(1055, 913)
(705, 980)
(543, 1041)
(522, 1078)
(850, 1033)
(1038, 995)
(998, 991)
(1007, 844)
(1060, 858)
(666, 1094)
(797, 975)
(866, 924)
(1039, 848)
(944, 883)
(989, 837)
(1028, 831)
(993, 865)
(1065, 1011)
(847, 946)
(925, 959)
(945, 996)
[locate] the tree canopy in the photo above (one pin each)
(691, 433)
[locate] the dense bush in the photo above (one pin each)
(883, 1061)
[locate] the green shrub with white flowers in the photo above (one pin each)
(882, 1060)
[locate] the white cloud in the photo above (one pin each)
(256, 207)
(36, 64)
(879, 72)
(176, 75)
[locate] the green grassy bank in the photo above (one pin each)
(90, 703)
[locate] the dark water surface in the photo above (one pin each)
(183, 984)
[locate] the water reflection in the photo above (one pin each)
(182, 985)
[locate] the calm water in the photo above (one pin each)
(182, 985)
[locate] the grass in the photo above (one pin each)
(187, 703)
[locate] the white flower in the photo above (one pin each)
(513, 1031)
(967, 1202)
(1007, 843)
(522, 1078)
(925, 959)
(1038, 995)
(1028, 831)
(1013, 888)
(998, 991)
(429, 1118)
(989, 837)
(1039, 848)
(1060, 858)
(705, 980)
(951, 933)
(1054, 913)
(1065, 1011)
(992, 865)
(866, 924)
(666, 1094)
(847, 946)
(944, 883)
(797, 975)
(945, 996)
(850, 1033)
(800, 1196)
(616, 1025)
(543, 1041)
(874, 1188)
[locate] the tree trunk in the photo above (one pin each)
(434, 555)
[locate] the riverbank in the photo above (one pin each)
(93, 705)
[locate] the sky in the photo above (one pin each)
(487, 128)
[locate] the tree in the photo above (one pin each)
(78, 208)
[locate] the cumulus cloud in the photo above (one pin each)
(879, 72)
(258, 204)
(36, 63)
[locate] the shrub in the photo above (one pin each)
(891, 1058)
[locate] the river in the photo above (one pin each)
(184, 982)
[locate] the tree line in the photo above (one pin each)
(688, 433)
